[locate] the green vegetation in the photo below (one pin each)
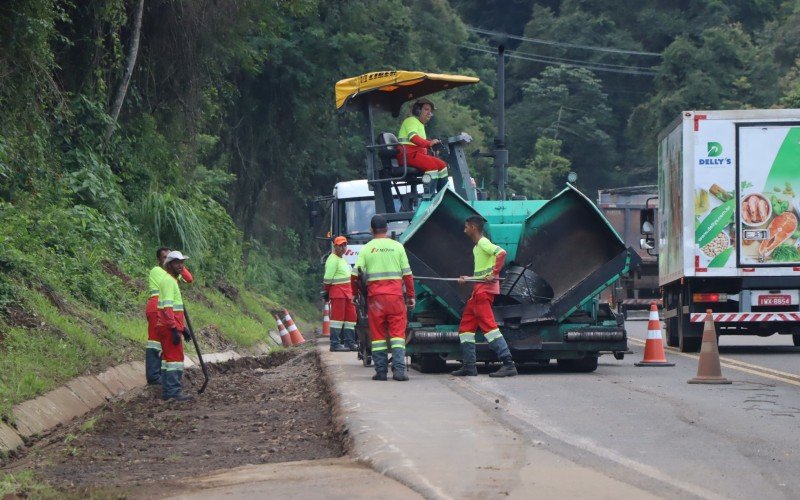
(227, 129)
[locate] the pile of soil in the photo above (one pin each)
(255, 410)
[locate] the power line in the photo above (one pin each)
(565, 60)
(563, 44)
(591, 66)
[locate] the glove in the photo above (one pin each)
(187, 335)
(326, 296)
(176, 337)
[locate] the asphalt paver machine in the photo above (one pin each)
(562, 252)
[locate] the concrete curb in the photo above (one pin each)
(359, 443)
(83, 394)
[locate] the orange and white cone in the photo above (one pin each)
(326, 320)
(709, 370)
(294, 333)
(654, 345)
(286, 339)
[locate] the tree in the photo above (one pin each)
(542, 176)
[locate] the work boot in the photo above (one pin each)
(507, 370)
(400, 377)
(339, 348)
(379, 376)
(466, 370)
(181, 398)
(353, 347)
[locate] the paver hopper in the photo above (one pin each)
(561, 254)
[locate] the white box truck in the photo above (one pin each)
(728, 236)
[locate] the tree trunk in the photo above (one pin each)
(126, 78)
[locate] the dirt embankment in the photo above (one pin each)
(263, 410)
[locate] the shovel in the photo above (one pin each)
(197, 350)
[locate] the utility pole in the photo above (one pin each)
(500, 153)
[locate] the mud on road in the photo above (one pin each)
(255, 410)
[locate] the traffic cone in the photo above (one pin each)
(654, 345)
(294, 333)
(326, 320)
(709, 370)
(286, 339)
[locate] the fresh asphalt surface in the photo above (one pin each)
(649, 428)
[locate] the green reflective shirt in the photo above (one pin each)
(156, 275)
(384, 263)
(410, 127)
(485, 254)
(169, 293)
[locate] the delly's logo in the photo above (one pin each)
(714, 151)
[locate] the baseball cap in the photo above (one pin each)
(340, 240)
(174, 255)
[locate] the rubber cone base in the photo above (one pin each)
(709, 380)
(654, 363)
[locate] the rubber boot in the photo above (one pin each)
(468, 358)
(507, 370)
(399, 364)
(171, 384)
(350, 339)
(152, 365)
(381, 360)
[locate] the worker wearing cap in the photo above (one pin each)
(489, 259)
(383, 264)
(152, 356)
(339, 291)
(170, 328)
(415, 144)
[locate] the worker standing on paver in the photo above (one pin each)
(339, 290)
(489, 259)
(170, 328)
(152, 356)
(383, 263)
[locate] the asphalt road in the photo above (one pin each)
(649, 428)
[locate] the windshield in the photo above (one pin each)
(357, 214)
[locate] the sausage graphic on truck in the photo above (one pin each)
(729, 205)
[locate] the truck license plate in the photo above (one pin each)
(774, 300)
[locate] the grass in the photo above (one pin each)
(25, 484)
(230, 320)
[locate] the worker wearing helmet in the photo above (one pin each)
(338, 290)
(383, 264)
(489, 259)
(415, 144)
(170, 328)
(152, 356)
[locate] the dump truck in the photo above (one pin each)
(561, 252)
(728, 239)
(628, 209)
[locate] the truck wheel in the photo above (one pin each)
(431, 363)
(584, 365)
(796, 339)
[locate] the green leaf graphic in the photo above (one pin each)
(714, 149)
(714, 223)
(721, 259)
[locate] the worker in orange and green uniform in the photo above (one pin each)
(339, 291)
(414, 143)
(489, 259)
(152, 353)
(170, 328)
(384, 265)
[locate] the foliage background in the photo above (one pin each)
(228, 129)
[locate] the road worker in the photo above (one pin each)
(383, 263)
(489, 259)
(152, 356)
(415, 144)
(170, 327)
(339, 291)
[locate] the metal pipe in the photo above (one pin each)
(500, 152)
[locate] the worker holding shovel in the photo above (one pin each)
(489, 259)
(170, 327)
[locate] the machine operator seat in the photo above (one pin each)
(393, 167)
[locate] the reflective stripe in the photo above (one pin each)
(378, 345)
(493, 335)
(391, 275)
(337, 324)
(163, 365)
(349, 325)
(406, 271)
(164, 303)
(466, 337)
(173, 366)
(398, 343)
(337, 281)
(483, 272)
(154, 293)
(154, 344)
(177, 307)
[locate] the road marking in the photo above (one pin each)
(735, 364)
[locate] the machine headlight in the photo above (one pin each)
(427, 179)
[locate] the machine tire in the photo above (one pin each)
(431, 363)
(796, 339)
(583, 365)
